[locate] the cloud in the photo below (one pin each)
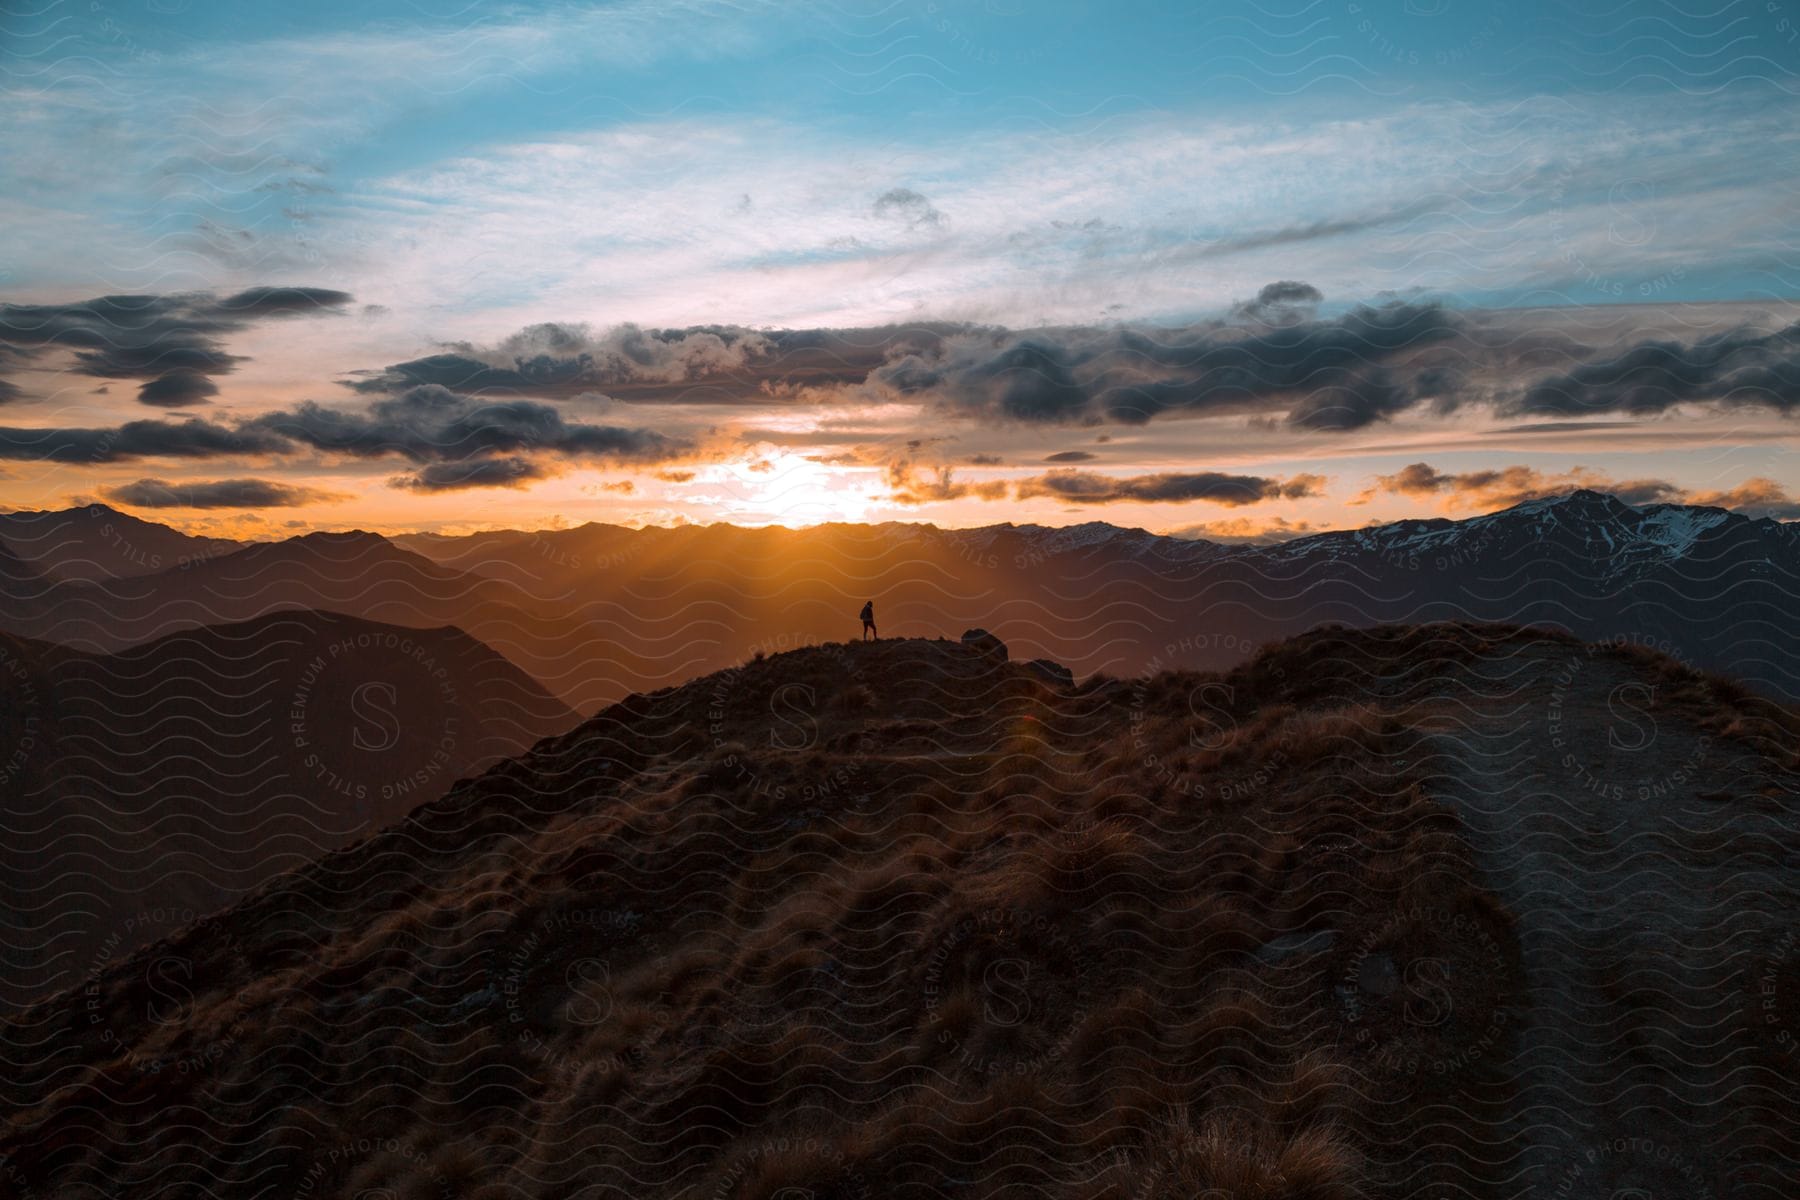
(700, 364)
(905, 205)
(1506, 486)
(430, 423)
(1086, 487)
(1347, 400)
(219, 493)
(1284, 300)
(1071, 456)
(557, 360)
(1272, 360)
(1249, 531)
(1327, 374)
(1755, 497)
(908, 486)
(1739, 368)
(172, 342)
(259, 303)
(136, 439)
(178, 389)
(456, 441)
(511, 471)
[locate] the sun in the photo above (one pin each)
(779, 487)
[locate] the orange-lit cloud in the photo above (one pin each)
(1249, 530)
(1506, 486)
(1758, 497)
(909, 486)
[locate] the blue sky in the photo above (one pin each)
(466, 171)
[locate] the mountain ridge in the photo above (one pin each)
(756, 932)
(168, 777)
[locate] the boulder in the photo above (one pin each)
(1051, 672)
(983, 642)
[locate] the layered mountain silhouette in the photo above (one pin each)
(151, 786)
(96, 542)
(1446, 910)
(598, 611)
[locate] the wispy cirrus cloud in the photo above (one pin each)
(1070, 225)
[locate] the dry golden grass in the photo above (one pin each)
(947, 931)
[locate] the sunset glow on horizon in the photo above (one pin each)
(612, 262)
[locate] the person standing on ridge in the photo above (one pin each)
(868, 620)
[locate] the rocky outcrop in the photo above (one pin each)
(983, 642)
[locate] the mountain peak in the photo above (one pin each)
(1582, 502)
(341, 538)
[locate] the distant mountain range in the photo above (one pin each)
(95, 542)
(148, 787)
(162, 668)
(596, 612)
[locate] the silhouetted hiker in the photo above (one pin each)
(868, 620)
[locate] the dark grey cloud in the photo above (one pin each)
(904, 204)
(137, 439)
(1344, 400)
(1312, 231)
(1087, 487)
(430, 423)
(217, 493)
(1567, 426)
(559, 360)
(510, 471)
(256, 303)
(454, 440)
(177, 337)
(1739, 368)
(178, 389)
(1329, 374)
(714, 364)
(1504, 487)
(1282, 301)
(1338, 373)
(1071, 456)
